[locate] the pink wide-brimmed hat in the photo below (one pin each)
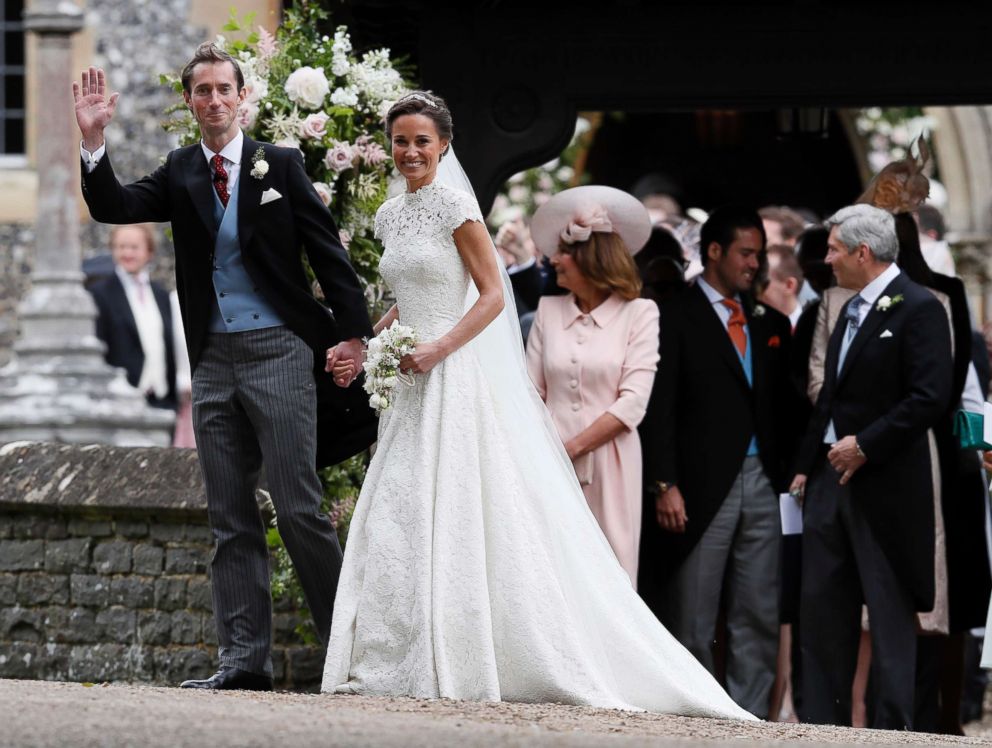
(574, 214)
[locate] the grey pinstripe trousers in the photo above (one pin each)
(254, 403)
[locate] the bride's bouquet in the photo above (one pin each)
(382, 364)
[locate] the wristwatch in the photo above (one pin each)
(857, 448)
(663, 487)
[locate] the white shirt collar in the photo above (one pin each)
(714, 296)
(231, 152)
(873, 290)
(131, 280)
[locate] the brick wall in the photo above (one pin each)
(102, 581)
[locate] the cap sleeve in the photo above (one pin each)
(459, 207)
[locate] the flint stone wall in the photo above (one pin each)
(104, 570)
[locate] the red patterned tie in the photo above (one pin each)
(220, 178)
(735, 325)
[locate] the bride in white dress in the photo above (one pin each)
(474, 568)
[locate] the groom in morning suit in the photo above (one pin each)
(716, 441)
(868, 532)
(241, 213)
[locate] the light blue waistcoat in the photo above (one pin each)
(238, 304)
(746, 362)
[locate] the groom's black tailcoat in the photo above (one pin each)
(702, 415)
(272, 238)
(895, 384)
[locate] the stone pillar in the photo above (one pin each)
(57, 386)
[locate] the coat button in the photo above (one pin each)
(574, 383)
(230, 319)
(575, 359)
(254, 316)
(223, 294)
(585, 320)
(576, 406)
(580, 340)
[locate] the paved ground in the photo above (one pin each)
(35, 713)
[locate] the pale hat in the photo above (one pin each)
(574, 214)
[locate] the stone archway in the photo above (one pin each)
(962, 142)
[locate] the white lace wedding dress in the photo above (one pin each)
(474, 568)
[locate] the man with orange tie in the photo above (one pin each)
(717, 440)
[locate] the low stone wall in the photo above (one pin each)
(104, 570)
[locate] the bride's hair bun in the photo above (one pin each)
(422, 102)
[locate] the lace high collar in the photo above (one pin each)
(421, 193)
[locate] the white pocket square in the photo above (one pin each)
(886, 334)
(269, 195)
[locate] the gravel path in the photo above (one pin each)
(38, 713)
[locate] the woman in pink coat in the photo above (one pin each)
(593, 353)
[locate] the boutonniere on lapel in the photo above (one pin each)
(774, 342)
(758, 311)
(259, 166)
(886, 303)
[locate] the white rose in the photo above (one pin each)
(314, 126)
(307, 87)
(390, 382)
(261, 166)
(256, 89)
(324, 191)
(288, 143)
(376, 400)
(344, 96)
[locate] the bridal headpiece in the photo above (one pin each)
(900, 187)
(573, 215)
(419, 97)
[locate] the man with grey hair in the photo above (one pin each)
(868, 512)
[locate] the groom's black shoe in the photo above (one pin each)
(232, 679)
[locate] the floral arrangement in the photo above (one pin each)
(311, 91)
(382, 362)
(889, 133)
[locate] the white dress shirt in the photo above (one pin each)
(231, 153)
(716, 301)
(148, 318)
(869, 295)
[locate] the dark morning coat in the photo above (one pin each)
(895, 384)
(702, 412)
(272, 237)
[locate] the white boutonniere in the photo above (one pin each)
(259, 166)
(758, 311)
(886, 303)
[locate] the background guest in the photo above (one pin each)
(593, 353)
(135, 317)
(869, 513)
(661, 265)
(785, 279)
(935, 250)
(717, 439)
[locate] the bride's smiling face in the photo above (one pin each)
(417, 148)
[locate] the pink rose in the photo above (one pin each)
(325, 192)
(340, 157)
(247, 114)
(314, 125)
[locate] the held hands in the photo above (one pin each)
(345, 361)
(670, 509)
(846, 458)
(93, 110)
(424, 358)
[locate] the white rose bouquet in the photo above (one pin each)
(382, 364)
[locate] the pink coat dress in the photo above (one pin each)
(584, 365)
